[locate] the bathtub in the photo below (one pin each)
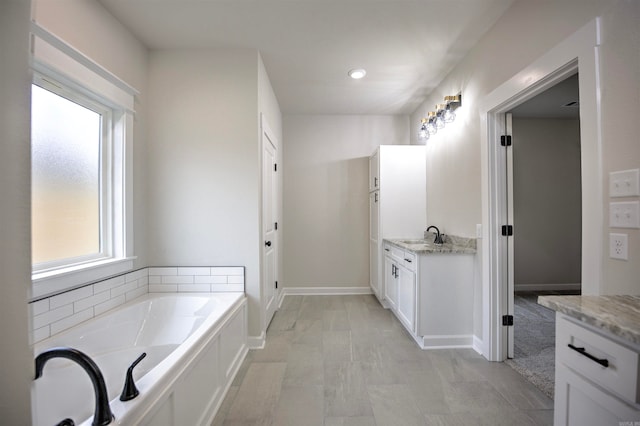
(195, 344)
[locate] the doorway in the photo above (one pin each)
(578, 53)
(545, 198)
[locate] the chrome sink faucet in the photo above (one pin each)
(438, 239)
(102, 415)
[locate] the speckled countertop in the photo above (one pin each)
(619, 315)
(452, 244)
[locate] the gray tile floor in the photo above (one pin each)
(346, 361)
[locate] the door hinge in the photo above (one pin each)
(505, 140)
(507, 230)
(275, 167)
(507, 320)
(276, 226)
(276, 284)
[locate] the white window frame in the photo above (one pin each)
(63, 66)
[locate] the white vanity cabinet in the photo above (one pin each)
(596, 376)
(432, 295)
(397, 203)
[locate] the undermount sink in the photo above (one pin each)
(412, 242)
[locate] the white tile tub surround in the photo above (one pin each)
(60, 312)
(196, 279)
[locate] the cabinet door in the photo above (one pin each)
(390, 282)
(374, 215)
(407, 298)
(374, 269)
(374, 172)
(578, 402)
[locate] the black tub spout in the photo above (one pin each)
(102, 414)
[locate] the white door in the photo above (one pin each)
(269, 225)
(374, 245)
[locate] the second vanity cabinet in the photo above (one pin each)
(431, 294)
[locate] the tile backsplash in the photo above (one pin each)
(57, 313)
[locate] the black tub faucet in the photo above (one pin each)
(102, 415)
(438, 239)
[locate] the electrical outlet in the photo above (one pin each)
(618, 246)
(624, 215)
(625, 183)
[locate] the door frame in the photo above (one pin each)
(580, 52)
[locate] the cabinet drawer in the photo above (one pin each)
(620, 376)
(409, 260)
(397, 254)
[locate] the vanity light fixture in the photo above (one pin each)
(436, 120)
(357, 74)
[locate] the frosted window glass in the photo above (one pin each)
(65, 172)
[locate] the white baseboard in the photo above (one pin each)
(256, 342)
(549, 287)
(447, 342)
(478, 345)
(325, 291)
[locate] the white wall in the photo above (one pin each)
(546, 203)
(89, 28)
(16, 368)
(326, 169)
(515, 41)
(204, 164)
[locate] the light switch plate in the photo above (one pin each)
(618, 246)
(625, 183)
(624, 214)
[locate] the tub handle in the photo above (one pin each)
(130, 391)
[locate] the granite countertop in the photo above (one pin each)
(452, 244)
(619, 315)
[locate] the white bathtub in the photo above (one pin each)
(195, 344)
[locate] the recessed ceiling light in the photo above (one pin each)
(357, 73)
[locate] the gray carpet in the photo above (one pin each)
(534, 342)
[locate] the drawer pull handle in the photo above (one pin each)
(386, 249)
(603, 362)
(408, 260)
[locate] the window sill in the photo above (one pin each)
(48, 283)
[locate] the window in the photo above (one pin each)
(70, 177)
(82, 188)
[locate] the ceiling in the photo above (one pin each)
(559, 101)
(308, 46)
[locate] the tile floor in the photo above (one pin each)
(346, 361)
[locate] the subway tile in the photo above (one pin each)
(52, 316)
(40, 334)
(117, 291)
(72, 320)
(136, 275)
(109, 304)
(236, 279)
(139, 291)
(143, 281)
(225, 270)
(108, 284)
(205, 279)
(83, 304)
(223, 288)
(70, 296)
(163, 271)
(39, 307)
(163, 288)
(186, 279)
(155, 279)
(184, 288)
(194, 271)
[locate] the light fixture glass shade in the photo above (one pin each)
(431, 125)
(439, 116)
(449, 116)
(423, 134)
